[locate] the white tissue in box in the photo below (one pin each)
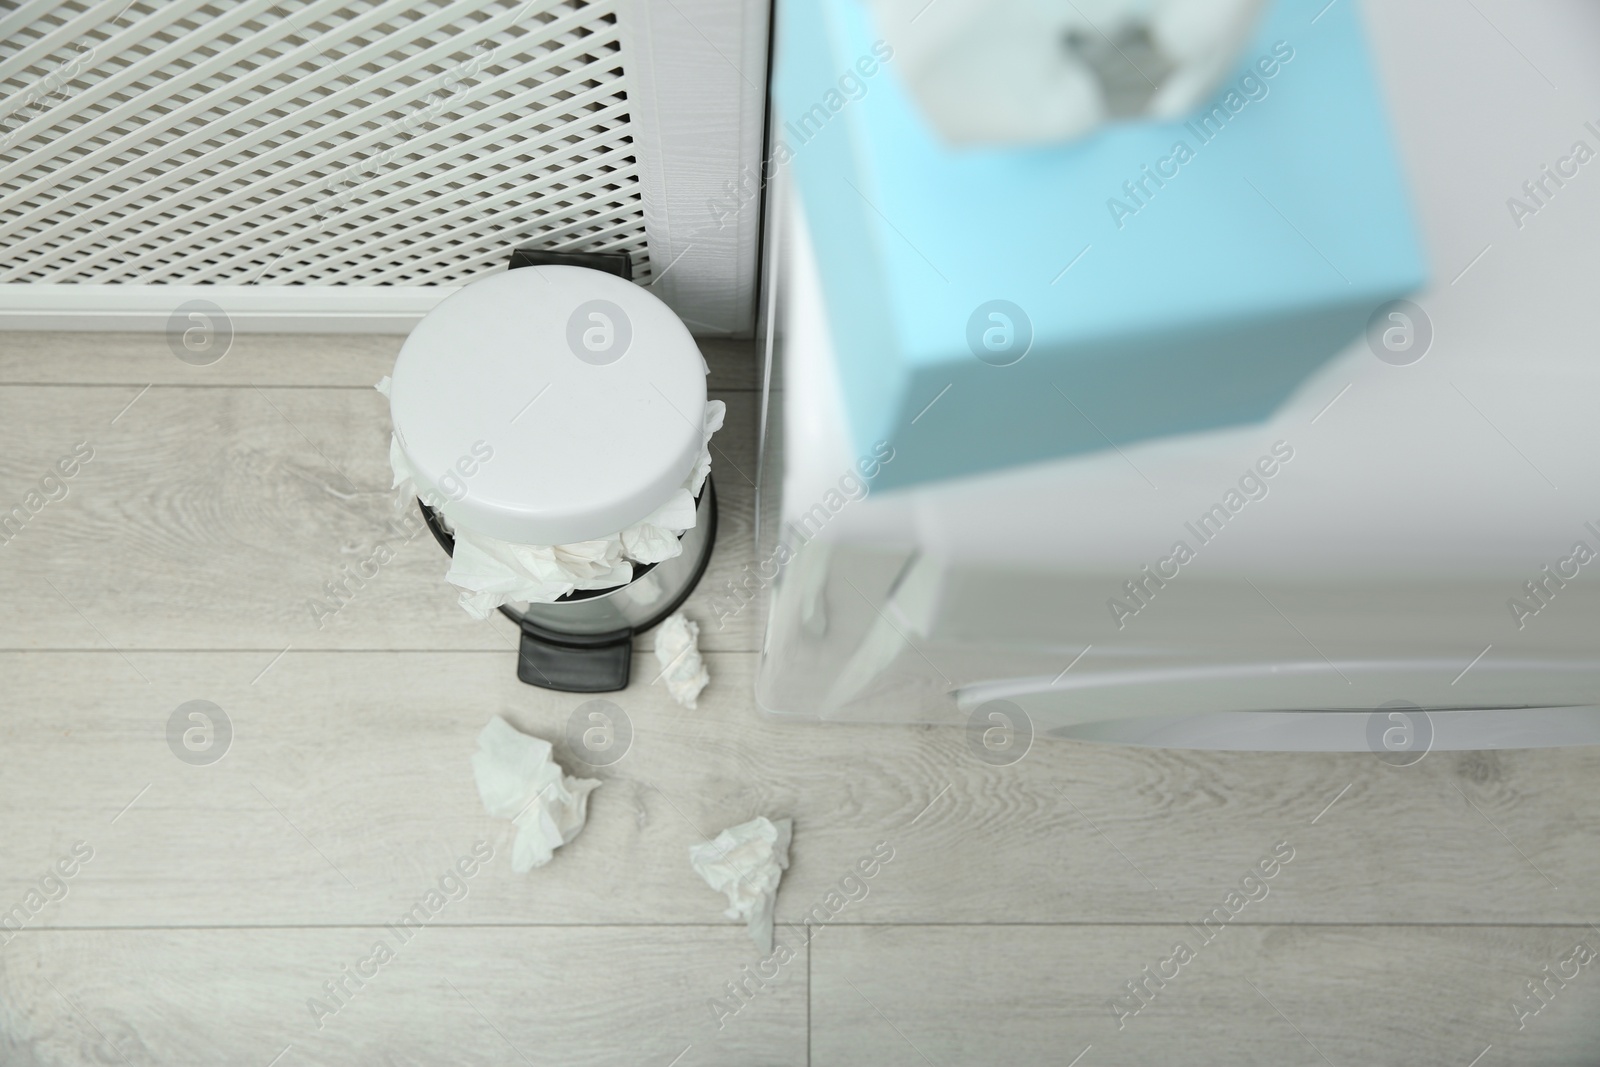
(518, 780)
(1030, 71)
(745, 862)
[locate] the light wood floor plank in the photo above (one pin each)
(213, 518)
(354, 766)
(297, 360)
(1024, 996)
(447, 996)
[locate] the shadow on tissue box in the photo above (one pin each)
(991, 307)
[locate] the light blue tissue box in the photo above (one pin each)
(1167, 291)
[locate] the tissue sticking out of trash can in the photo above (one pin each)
(553, 423)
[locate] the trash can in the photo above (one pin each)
(552, 422)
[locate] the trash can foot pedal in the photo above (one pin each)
(600, 665)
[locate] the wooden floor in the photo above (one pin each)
(219, 901)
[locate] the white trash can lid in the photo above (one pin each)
(548, 405)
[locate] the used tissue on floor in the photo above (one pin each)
(745, 863)
(519, 780)
(681, 666)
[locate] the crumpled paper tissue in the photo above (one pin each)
(745, 862)
(518, 780)
(681, 666)
(491, 572)
(1031, 71)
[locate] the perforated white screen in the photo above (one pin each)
(329, 142)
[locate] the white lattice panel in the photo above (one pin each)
(310, 142)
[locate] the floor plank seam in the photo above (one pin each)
(132, 383)
(906, 925)
(163, 651)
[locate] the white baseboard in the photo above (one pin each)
(250, 308)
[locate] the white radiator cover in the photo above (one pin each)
(319, 148)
